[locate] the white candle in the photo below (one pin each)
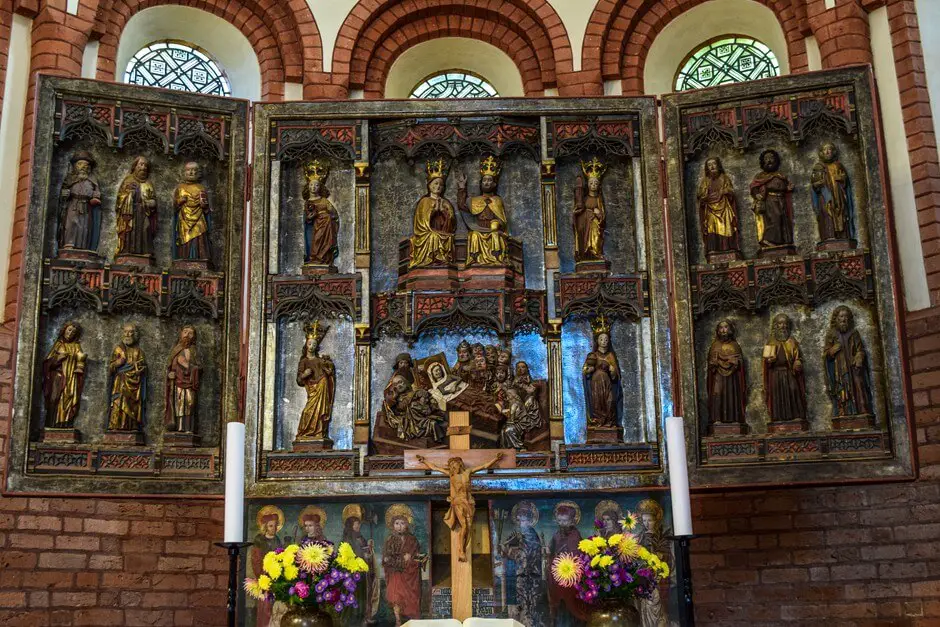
(678, 477)
(235, 482)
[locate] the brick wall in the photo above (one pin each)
(862, 555)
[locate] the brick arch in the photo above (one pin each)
(620, 32)
(504, 37)
(284, 36)
(533, 28)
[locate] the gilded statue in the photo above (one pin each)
(459, 517)
(772, 203)
(726, 387)
(718, 211)
(182, 383)
(832, 196)
(128, 372)
(847, 368)
(136, 211)
(784, 387)
(321, 221)
(432, 243)
(601, 374)
(63, 377)
(487, 243)
(191, 200)
(590, 216)
(80, 206)
(317, 375)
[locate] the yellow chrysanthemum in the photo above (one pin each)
(289, 554)
(272, 565)
(664, 570)
(605, 561)
(629, 521)
(567, 570)
(361, 565)
(253, 589)
(615, 539)
(600, 542)
(264, 582)
(314, 557)
(628, 547)
(588, 547)
(595, 561)
(346, 558)
(290, 572)
(643, 554)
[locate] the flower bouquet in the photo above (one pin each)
(312, 575)
(615, 568)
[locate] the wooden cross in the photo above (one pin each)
(459, 462)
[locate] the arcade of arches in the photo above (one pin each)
(861, 555)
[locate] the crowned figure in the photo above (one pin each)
(321, 221)
(317, 375)
(602, 385)
(590, 216)
(432, 243)
(487, 243)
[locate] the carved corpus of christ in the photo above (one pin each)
(462, 505)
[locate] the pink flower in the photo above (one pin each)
(302, 589)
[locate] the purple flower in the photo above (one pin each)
(279, 550)
(338, 607)
(302, 589)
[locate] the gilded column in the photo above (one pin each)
(556, 412)
(361, 377)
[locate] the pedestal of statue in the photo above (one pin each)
(788, 426)
(52, 435)
(604, 434)
(316, 269)
(769, 252)
(724, 257)
(134, 260)
(836, 244)
(124, 438)
(592, 266)
(74, 254)
(727, 428)
(853, 423)
(304, 445)
(190, 265)
(181, 439)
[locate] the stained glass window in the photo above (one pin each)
(454, 84)
(731, 59)
(177, 65)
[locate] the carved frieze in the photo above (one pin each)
(414, 139)
(759, 284)
(617, 298)
(294, 298)
(605, 136)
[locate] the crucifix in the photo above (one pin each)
(459, 462)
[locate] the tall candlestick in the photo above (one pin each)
(678, 477)
(235, 482)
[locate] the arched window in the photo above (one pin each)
(730, 59)
(454, 84)
(177, 65)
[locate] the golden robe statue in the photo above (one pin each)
(192, 206)
(590, 216)
(317, 375)
(718, 209)
(63, 372)
(136, 211)
(487, 245)
(433, 240)
(128, 370)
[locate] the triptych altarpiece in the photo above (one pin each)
(567, 272)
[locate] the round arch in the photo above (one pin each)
(377, 32)
(702, 24)
(284, 37)
(224, 43)
(622, 33)
(439, 55)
